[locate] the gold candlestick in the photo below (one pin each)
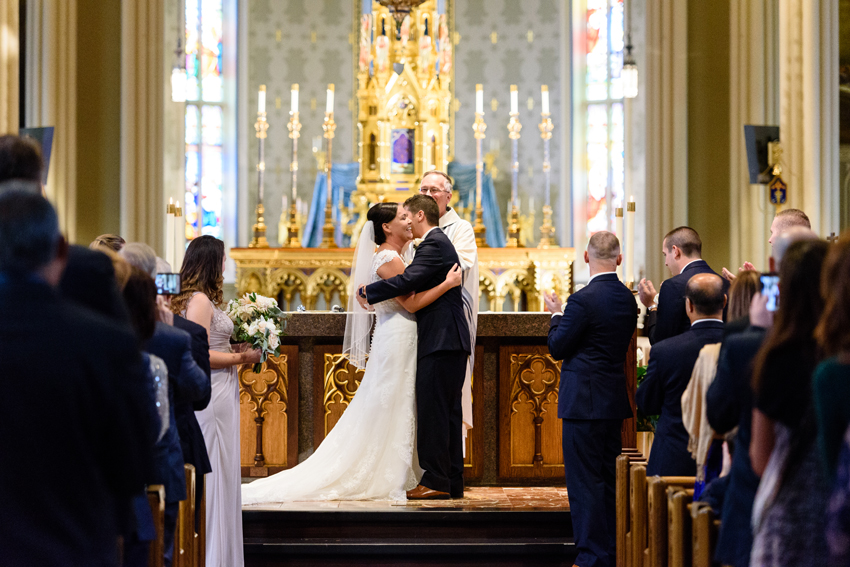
(479, 127)
(261, 126)
(547, 231)
(293, 240)
(328, 231)
(514, 128)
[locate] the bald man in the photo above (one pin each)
(670, 366)
(592, 337)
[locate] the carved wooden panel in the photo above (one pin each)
(529, 428)
(335, 382)
(268, 412)
(473, 462)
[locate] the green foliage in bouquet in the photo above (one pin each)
(644, 422)
(259, 322)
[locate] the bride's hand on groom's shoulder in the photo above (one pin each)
(455, 276)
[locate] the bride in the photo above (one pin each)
(370, 453)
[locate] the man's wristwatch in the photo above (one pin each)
(362, 292)
(654, 304)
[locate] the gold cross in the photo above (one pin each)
(832, 239)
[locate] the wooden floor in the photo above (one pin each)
(508, 526)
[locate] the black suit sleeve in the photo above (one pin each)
(649, 322)
(567, 331)
(670, 309)
(650, 395)
(192, 384)
(426, 263)
(723, 400)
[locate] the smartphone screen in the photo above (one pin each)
(770, 288)
(168, 284)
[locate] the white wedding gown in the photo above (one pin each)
(370, 452)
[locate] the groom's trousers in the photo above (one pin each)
(439, 416)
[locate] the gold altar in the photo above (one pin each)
(510, 279)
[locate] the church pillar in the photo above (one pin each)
(143, 95)
(754, 99)
(51, 87)
(808, 108)
(9, 61)
(666, 126)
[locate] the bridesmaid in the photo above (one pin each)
(200, 301)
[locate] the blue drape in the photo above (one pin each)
(344, 178)
(464, 186)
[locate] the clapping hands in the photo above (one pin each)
(552, 302)
(730, 276)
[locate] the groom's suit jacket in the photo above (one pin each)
(442, 325)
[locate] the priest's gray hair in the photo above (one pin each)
(447, 181)
(140, 255)
(603, 246)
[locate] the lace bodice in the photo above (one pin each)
(220, 329)
(390, 305)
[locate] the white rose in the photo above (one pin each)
(274, 342)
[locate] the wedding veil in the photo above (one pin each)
(358, 321)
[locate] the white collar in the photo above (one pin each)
(688, 264)
(705, 321)
(424, 236)
(594, 276)
(450, 217)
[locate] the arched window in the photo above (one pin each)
(602, 120)
(204, 118)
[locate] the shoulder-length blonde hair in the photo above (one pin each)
(201, 272)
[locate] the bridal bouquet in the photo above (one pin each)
(259, 322)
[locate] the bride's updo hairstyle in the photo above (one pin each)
(202, 272)
(381, 214)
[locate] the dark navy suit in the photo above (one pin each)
(187, 382)
(670, 319)
(671, 363)
(592, 338)
(729, 403)
(442, 354)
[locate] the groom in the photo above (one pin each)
(442, 353)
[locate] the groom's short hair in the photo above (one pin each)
(427, 205)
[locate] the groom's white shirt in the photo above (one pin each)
(462, 236)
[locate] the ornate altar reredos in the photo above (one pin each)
(404, 77)
(510, 279)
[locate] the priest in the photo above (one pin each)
(439, 186)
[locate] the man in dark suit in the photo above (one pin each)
(442, 353)
(592, 337)
(92, 419)
(671, 363)
(729, 404)
(89, 280)
(665, 311)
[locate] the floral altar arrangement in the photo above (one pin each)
(259, 322)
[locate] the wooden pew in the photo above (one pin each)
(623, 499)
(656, 553)
(705, 528)
(184, 540)
(201, 532)
(679, 526)
(156, 500)
(636, 538)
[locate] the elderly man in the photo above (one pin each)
(439, 186)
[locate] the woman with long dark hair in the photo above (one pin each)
(788, 514)
(200, 300)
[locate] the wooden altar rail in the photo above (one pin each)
(510, 279)
(295, 401)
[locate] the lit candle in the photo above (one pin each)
(178, 239)
(479, 99)
(531, 204)
(514, 100)
(294, 105)
(630, 240)
(544, 91)
(284, 205)
(618, 214)
(329, 107)
(261, 100)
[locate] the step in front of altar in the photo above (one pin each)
(511, 526)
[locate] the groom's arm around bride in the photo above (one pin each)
(443, 349)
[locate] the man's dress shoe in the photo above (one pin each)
(425, 493)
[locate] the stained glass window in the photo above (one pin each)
(604, 132)
(204, 115)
